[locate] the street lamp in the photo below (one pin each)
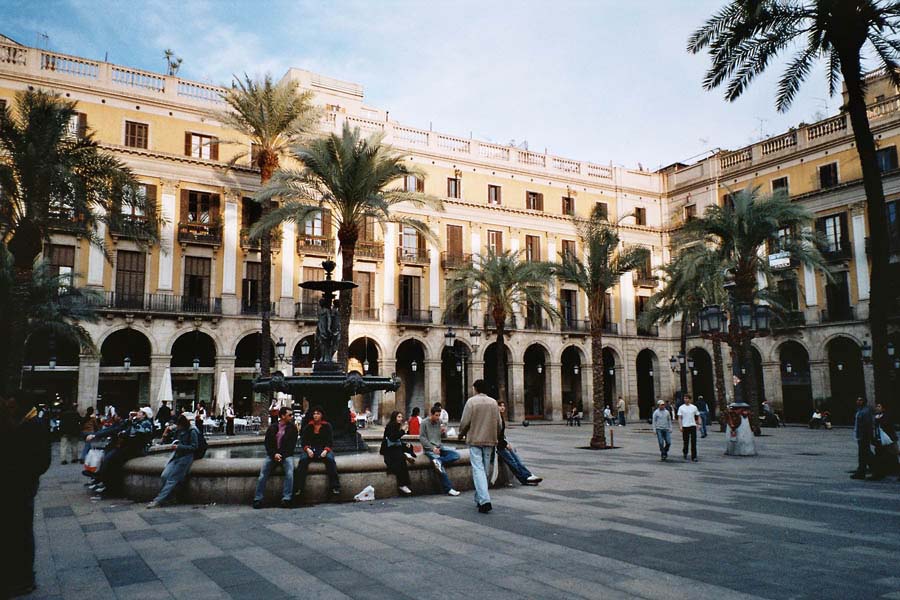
(788, 368)
(449, 338)
(540, 368)
(612, 371)
(366, 366)
(196, 363)
(257, 366)
(866, 351)
(414, 366)
(576, 369)
(127, 362)
(52, 362)
(890, 349)
(690, 364)
(304, 348)
(475, 335)
(673, 363)
(280, 348)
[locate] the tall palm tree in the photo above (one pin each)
(746, 35)
(51, 175)
(355, 178)
(605, 264)
(735, 236)
(503, 283)
(272, 117)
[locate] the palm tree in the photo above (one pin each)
(734, 236)
(606, 263)
(356, 179)
(272, 117)
(746, 35)
(51, 175)
(503, 283)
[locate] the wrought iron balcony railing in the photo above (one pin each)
(315, 245)
(455, 260)
(369, 249)
(206, 234)
(414, 316)
(413, 256)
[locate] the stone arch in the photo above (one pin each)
(247, 351)
(572, 360)
(702, 378)
(126, 341)
(410, 356)
(845, 368)
(796, 388)
(647, 369)
(145, 331)
(423, 342)
(536, 376)
(212, 334)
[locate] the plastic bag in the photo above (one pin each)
(452, 432)
(366, 495)
(93, 460)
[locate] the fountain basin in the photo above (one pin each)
(233, 480)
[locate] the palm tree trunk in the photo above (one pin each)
(683, 367)
(598, 436)
(348, 254)
(18, 328)
(502, 392)
(720, 382)
(268, 164)
(751, 383)
(880, 293)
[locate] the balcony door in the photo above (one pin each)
(569, 305)
(250, 288)
(364, 295)
(410, 294)
(131, 268)
(197, 275)
(837, 295)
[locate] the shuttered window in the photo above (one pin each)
(454, 240)
(311, 297)
(453, 187)
(568, 248)
(62, 264)
(199, 145)
(534, 201)
(532, 248)
(601, 210)
(640, 216)
(137, 135)
(411, 183)
(495, 241)
(131, 268)
(199, 207)
(364, 293)
(197, 272)
(568, 205)
(410, 290)
(250, 287)
(77, 126)
(494, 197)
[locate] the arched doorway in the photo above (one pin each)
(364, 359)
(847, 380)
(535, 362)
(490, 373)
(301, 360)
(610, 383)
(193, 370)
(50, 368)
(246, 368)
(646, 382)
(796, 387)
(455, 377)
(571, 365)
(125, 370)
(702, 379)
(410, 358)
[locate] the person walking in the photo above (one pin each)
(620, 407)
(608, 416)
(70, 434)
(688, 421)
(703, 407)
(508, 454)
(397, 454)
(433, 447)
(885, 438)
(229, 420)
(281, 441)
(481, 426)
(25, 443)
(185, 445)
(163, 415)
(317, 438)
(89, 424)
(862, 433)
(662, 425)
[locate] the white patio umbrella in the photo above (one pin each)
(165, 389)
(223, 397)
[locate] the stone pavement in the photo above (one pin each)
(611, 524)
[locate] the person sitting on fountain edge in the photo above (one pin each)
(317, 438)
(430, 436)
(281, 441)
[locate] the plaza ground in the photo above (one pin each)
(613, 524)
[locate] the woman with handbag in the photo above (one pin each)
(885, 441)
(396, 452)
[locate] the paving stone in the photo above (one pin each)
(127, 571)
(55, 512)
(89, 527)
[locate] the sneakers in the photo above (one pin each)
(99, 488)
(257, 504)
(534, 480)
(452, 492)
(65, 462)
(153, 504)
(485, 508)
(438, 466)
(695, 460)
(409, 457)
(336, 491)
(286, 504)
(405, 490)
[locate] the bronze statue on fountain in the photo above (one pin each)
(330, 385)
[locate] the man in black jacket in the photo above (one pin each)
(862, 432)
(281, 440)
(318, 438)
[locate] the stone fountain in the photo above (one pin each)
(330, 385)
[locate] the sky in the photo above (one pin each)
(605, 81)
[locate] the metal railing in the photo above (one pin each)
(306, 311)
(575, 325)
(252, 308)
(789, 320)
(413, 256)
(837, 252)
(134, 226)
(415, 316)
(370, 249)
(315, 245)
(455, 260)
(835, 316)
(610, 328)
(65, 219)
(456, 318)
(643, 280)
(209, 234)
(537, 324)
(160, 303)
(648, 331)
(365, 313)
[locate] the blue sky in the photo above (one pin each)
(603, 80)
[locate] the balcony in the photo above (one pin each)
(204, 234)
(252, 308)
(537, 324)
(649, 331)
(575, 326)
(370, 250)
(317, 245)
(365, 313)
(413, 256)
(306, 311)
(836, 252)
(129, 226)
(414, 316)
(692, 329)
(64, 220)
(246, 242)
(789, 320)
(455, 260)
(161, 304)
(456, 318)
(847, 313)
(610, 328)
(645, 281)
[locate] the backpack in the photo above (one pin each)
(202, 446)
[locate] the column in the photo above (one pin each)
(158, 365)
(388, 366)
(229, 255)
(475, 248)
(88, 381)
(169, 215)
(810, 292)
(553, 408)
(224, 363)
(96, 258)
(860, 261)
(432, 382)
(288, 268)
(626, 287)
(515, 393)
(389, 282)
(772, 383)
(820, 379)
(434, 282)
(869, 379)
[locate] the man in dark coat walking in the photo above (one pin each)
(862, 432)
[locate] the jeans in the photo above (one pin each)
(689, 434)
(480, 457)
(86, 447)
(515, 463)
(704, 422)
(303, 468)
(68, 448)
(621, 418)
(176, 470)
(287, 462)
(445, 457)
(864, 456)
(664, 438)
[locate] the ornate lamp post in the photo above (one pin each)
(280, 348)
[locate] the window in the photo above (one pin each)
(828, 175)
(780, 241)
(199, 145)
(837, 296)
(2, 104)
(410, 287)
(780, 184)
(250, 212)
(534, 201)
(454, 240)
(62, 265)
(494, 195)
(131, 268)
(412, 243)
(893, 225)
(250, 288)
(690, 212)
(887, 158)
(568, 305)
(787, 294)
(602, 210)
(534, 316)
(199, 207)
(833, 231)
(641, 304)
(364, 294)
(411, 183)
(454, 186)
(77, 128)
(137, 135)
(367, 231)
(147, 193)
(607, 310)
(532, 248)
(311, 297)
(640, 216)
(254, 153)
(645, 271)
(568, 248)
(495, 241)
(728, 200)
(568, 205)
(457, 305)
(196, 278)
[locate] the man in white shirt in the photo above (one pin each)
(688, 420)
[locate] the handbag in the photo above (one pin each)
(884, 438)
(93, 460)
